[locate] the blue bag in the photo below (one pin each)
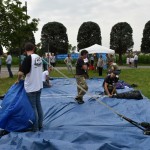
(16, 112)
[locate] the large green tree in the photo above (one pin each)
(15, 29)
(54, 38)
(89, 34)
(121, 38)
(145, 45)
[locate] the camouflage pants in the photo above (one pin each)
(110, 89)
(81, 81)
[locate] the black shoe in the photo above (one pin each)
(79, 100)
(3, 132)
(40, 128)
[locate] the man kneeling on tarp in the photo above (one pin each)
(46, 78)
(109, 83)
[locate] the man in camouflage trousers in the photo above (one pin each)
(81, 75)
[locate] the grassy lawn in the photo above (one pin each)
(130, 76)
(139, 77)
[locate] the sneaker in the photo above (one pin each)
(79, 100)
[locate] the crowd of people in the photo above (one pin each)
(132, 61)
(96, 62)
(36, 70)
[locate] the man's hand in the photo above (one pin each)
(110, 95)
(20, 75)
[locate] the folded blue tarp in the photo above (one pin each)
(16, 112)
(90, 126)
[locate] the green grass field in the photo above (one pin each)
(130, 76)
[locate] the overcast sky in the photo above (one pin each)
(106, 13)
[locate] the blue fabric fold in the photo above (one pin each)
(90, 126)
(16, 112)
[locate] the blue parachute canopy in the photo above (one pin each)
(16, 112)
(90, 126)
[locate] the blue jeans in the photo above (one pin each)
(9, 70)
(34, 98)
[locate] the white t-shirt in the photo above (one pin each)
(136, 57)
(33, 80)
(127, 60)
(9, 59)
(68, 60)
(86, 60)
(44, 74)
(131, 60)
(52, 58)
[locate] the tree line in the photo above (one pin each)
(15, 30)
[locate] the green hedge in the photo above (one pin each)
(15, 61)
(143, 59)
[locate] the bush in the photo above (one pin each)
(144, 59)
(15, 60)
(61, 63)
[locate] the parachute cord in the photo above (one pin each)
(97, 98)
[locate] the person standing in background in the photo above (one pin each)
(135, 60)
(45, 62)
(53, 60)
(107, 61)
(92, 60)
(95, 62)
(48, 55)
(8, 63)
(100, 65)
(68, 60)
(22, 57)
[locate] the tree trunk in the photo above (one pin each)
(120, 59)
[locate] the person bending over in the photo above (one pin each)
(46, 78)
(109, 83)
(31, 68)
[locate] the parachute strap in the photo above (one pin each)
(141, 126)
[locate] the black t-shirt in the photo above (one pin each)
(26, 65)
(110, 80)
(79, 69)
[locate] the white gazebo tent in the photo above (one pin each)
(98, 49)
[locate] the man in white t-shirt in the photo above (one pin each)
(135, 60)
(68, 60)
(45, 77)
(8, 63)
(53, 60)
(31, 68)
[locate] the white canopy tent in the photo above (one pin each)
(98, 49)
